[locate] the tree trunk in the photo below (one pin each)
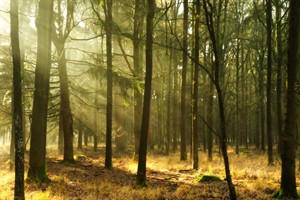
(195, 89)
(279, 74)
(141, 173)
(67, 121)
(288, 154)
(237, 120)
(17, 102)
(80, 139)
(37, 156)
(108, 27)
(183, 153)
(60, 135)
(269, 81)
(223, 135)
(138, 71)
(261, 101)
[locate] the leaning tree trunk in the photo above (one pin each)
(141, 173)
(217, 82)
(17, 102)
(37, 155)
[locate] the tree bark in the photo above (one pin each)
(17, 101)
(195, 89)
(279, 74)
(37, 156)
(141, 173)
(288, 154)
(269, 80)
(138, 71)
(183, 153)
(67, 120)
(108, 27)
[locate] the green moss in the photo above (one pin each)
(141, 182)
(208, 178)
(281, 195)
(38, 175)
(110, 167)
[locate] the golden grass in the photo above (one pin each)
(168, 178)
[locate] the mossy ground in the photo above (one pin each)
(167, 177)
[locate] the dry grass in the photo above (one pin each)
(168, 178)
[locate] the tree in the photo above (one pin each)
(137, 32)
(17, 102)
(183, 153)
(108, 28)
(288, 153)
(195, 89)
(141, 173)
(269, 80)
(59, 39)
(279, 72)
(37, 155)
(208, 7)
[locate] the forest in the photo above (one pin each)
(149, 99)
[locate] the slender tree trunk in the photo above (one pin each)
(168, 142)
(175, 107)
(195, 89)
(85, 138)
(60, 135)
(80, 138)
(261, 101)
(17, 101)
(141, 173)
(279, 74)
(269, 81)
(237, 124)
(108, 26)
(223, 136)
(37, 156)
(288, 186)
(138, 71)
(96, 116)
(183, 153)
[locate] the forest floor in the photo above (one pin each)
(168, 177)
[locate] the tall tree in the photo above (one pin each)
(141, 173)
(37, 155)
(269, 80)
(108, 28)
(279, 72)
(183, 153)
(59, 39)
(216, 45)
(137, 32)
(288, 153)
(17, 101)
(195, 88)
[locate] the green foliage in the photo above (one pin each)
(208, 178)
